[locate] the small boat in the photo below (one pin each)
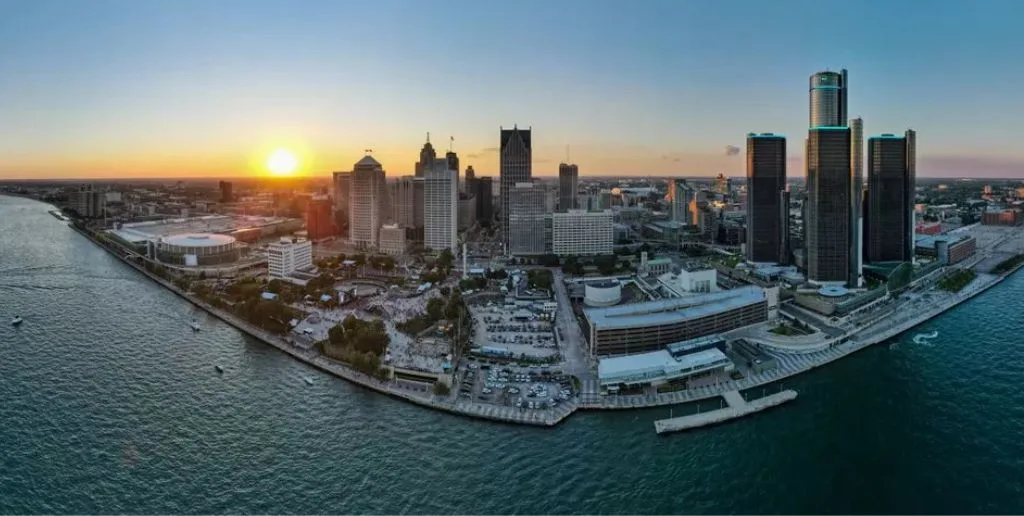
(195, 325)
(219, 369)
(16, 321)
(308, 380)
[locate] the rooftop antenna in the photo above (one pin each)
(428, 137)
(451, 142)
(567, 160)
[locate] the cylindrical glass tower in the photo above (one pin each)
(828, 99)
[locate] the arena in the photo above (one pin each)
(602, 293)
(197, 249)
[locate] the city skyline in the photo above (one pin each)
(115, 89)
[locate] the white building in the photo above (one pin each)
(392, 239)
(689, 282)
(582, 233)
(526, 220)
(366, 196)
(287, 256)
(440, 206)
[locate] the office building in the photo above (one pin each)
(340, 185)
(679, 196)
(366, 196)
(526, 233)
(427, 157)
(828, 99)
(88, 202)
(287, 256)
(857, 202)
(828, 205)
(889, 228)
(466, 211)
(484, 194)
(568, 183)
(320, 219)
(453, 164)
(470, 176)
(226, 195)
(582, 233)
(766, 180)
(440, 207)
(516, 166)
(392, 240)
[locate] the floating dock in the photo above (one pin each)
(738, 407)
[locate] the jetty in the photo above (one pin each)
(736, 407)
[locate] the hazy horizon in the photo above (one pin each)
(115, 88)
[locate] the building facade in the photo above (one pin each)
(568, 184)
(679, 197)
(440, 209)
(226, 195)
(828, 99)
(857, 202)
(365, 203)
(287, 256)
(889, 224)
(341, 187)
(526, 220)
(427, 157)
(392, 239)
(516, 155)
(828, 205)
(483, 191)
(582, 233)
(320, 219)
(766, 180)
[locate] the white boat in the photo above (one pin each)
(16, 321)
(308, 380)
(195, 325)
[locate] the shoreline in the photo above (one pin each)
(585, 401)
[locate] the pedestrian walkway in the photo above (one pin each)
(737, 407)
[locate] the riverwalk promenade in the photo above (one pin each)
(589, 399)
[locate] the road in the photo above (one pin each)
(571, 341)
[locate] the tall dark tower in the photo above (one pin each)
(453, 161)
(766, 180)
(427, 157)
(568, 183)
(827, 223)
(516, 167)
(828, 99)
(889, 224)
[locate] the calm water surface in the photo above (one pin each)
(109, 403)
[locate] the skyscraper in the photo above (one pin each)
(484, 194)
(453, 164)
(828, 205)
(225, 192)
(766, 181)
(319, 220)
(516, 156)
(404, 202)
(679, 196)
(889, 224)
(341, 184)
(365, 196)
(427, 157)
(568, 183)
(470, 173)
(526, 232)
(828, 99)
(856, 202)
(440, 207)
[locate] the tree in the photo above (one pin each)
(549, 260)
(606, 264)
(445, 291)
(435, 309)
(446, 259)
(202, 275)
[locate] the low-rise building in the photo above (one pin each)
(949, 249)
(688, 282)
(675, 364)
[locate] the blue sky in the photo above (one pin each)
(104, 88)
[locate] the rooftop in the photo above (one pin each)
(656, 364)
(198, 240)
(666, 311)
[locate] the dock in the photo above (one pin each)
(737, 407)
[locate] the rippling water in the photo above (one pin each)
(109, 403)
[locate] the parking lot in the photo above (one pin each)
(526, 387)
(495, 327)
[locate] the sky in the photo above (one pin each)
(179, 88)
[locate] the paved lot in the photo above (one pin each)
(511, 386)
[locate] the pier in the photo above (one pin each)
(736, 407)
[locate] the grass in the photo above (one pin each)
(956, 281)
(788, 330)
(1008, 264)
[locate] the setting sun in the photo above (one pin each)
(282, 162)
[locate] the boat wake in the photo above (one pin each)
(925, 338)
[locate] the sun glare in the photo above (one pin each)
(282, 162)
